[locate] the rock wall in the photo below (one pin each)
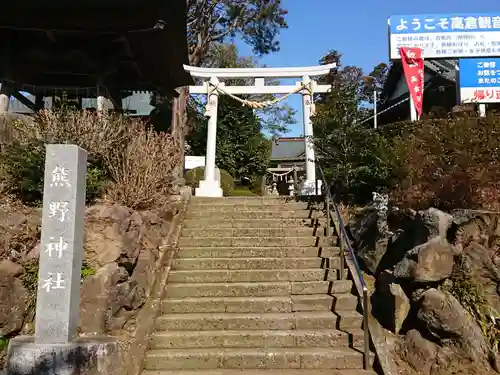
(437, 286)
(123, 253)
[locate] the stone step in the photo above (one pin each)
(256, 289)
(247, 321)
(256, 358)
(246, 200)
(280, 304)
(253, 232)
(255, 223)
(254, 263)
(200, 275)
(350, 319)
(321, 302)
(261, 372)
(253, 214)
(323, 338)
(268, 205)
(258, 252)
(255, 241)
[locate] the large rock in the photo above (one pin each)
(429, 262)
(446, 319)
(158, 226)
(435, 223)
(144, 271)
(381, 247)
(478, 233)
(371, 243)
(19, 231)
(105, 295)
(390, 303)
(13, 298)
(124, 246)
(418, 352)
(113, 234)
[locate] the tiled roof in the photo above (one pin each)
(288, 148)
(445, 68)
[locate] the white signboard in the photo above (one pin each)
(191, 162)
(446, 36)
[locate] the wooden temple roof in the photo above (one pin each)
(82, 44)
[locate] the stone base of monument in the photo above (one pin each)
(86, 356)
(209, 189)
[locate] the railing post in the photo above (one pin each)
(356, 271)
(342, 255)
(366, 332)
(328, 219)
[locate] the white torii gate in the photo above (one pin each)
(210, 187)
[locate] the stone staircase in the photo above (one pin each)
(254, 289)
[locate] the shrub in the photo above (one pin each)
(99, 135)
(258, 187)
(243, 192)
(128, 163)
(23, 166)
(143, 171)
(193, 177)
(448, 163)
(358, 161)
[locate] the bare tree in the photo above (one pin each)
(257, 22)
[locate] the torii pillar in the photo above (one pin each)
(310, 184)
(210, 186)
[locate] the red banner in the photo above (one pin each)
(413, 65)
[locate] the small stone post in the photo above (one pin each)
(274, 191)
(4, 98)
(291, 187)
(56, 348)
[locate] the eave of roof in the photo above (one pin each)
(295, 158)
(291, 139)
(442, 68)
(158, 52)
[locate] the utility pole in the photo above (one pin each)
(375, 108)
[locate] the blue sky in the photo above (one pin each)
(357, 28)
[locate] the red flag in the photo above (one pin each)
(413, 65)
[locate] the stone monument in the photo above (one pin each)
(56, 348)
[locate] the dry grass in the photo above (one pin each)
(346, 212)
(99, 135)
(143, 171)
(139, 162)
(449, 164)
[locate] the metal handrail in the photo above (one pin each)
(345, 242)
